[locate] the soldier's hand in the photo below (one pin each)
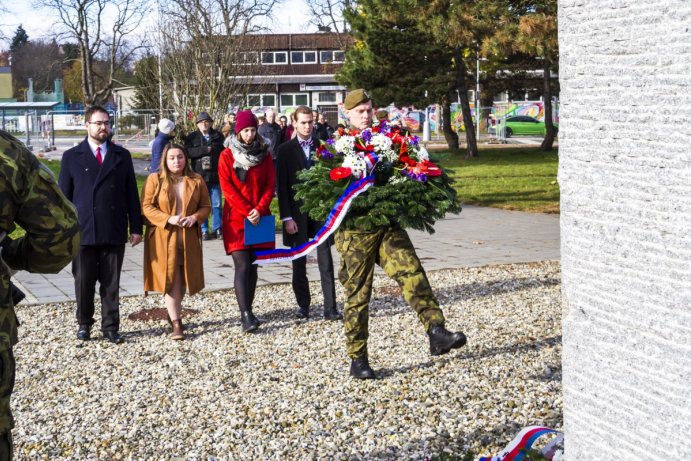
(135, 239)
(290, 226)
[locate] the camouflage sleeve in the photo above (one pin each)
(30, 197)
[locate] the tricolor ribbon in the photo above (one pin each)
(335, 218)
(371, 159)
(515, 450)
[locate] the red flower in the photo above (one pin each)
(376, 129)
(339, 173)
(407, 160)
(430, 168)
(340, 131)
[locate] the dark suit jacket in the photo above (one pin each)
(197, 148)
(106, 197)
(290, 161)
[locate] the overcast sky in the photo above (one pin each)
(291, 17)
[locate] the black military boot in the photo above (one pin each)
(360, 369)
(248, 321)
(441, 340)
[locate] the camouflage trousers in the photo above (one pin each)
(7, 369)
(390, 248)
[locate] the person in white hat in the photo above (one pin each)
(164, 136)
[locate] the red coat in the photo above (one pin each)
(240, 198)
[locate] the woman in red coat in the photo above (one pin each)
(246, 174)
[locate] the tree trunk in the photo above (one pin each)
(547, 97)
(450, 135)
(461, 84)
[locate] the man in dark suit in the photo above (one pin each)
(98, 177)
(294, 156)
(204, 147)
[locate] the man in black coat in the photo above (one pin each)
(294, 156)
(98, 177)
(204, 146)
(271, 132)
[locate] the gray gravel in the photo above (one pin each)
(284, 393)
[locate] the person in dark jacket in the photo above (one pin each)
(271, 132)
(293, 157)
(204, 147)
(98, 177)
(164, 136)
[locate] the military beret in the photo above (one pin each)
(382, 114)
(355, 98)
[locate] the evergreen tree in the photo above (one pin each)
(20, 39)
(398, 62)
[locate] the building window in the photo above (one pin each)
(303, 57)
(331, 56)
(294, 99)
(248, 57)
(261, 100)
(275, 57)
(327, 97)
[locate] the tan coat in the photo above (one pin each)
(161, 238)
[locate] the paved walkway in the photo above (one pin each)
(476, 237)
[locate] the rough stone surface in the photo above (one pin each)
(625, 169)
(284, 393)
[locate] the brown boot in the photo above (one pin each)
(177, 330)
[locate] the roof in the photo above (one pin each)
(28, 105)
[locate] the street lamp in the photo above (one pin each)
(477, 93)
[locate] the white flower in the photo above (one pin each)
(344, 144)
(356, 164)
(380, 142)
(558, 456)
(397, 179)
(422, 154)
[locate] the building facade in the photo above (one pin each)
(298, 69)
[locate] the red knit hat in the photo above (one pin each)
(244, 119)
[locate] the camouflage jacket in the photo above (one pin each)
(30, 197)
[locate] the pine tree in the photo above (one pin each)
(20, 39)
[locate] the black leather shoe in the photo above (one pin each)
(206, 236)
(360, 369)
(113, 336)
(217, 234)
(248, 321)
(84, 332)
(441, 341)
(302, 313)
(332, 314)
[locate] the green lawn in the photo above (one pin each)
(522, 179)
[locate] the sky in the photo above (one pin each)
(291, 18)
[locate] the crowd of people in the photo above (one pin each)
(232, 176)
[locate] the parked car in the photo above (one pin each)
(523, 125)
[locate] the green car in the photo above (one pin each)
(524, 125)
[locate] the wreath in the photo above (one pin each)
(409, 189)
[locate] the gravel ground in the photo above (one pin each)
(284, 393)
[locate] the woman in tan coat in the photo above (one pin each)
(174, 203)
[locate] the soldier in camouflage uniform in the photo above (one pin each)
(391, 248)
(29, 197)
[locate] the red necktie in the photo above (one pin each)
(99, 159)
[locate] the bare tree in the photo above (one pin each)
(211, 55)
(328, 16)
(101, 29)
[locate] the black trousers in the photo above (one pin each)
(99, 263)
(326, 274)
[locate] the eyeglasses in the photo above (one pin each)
(100, 124)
